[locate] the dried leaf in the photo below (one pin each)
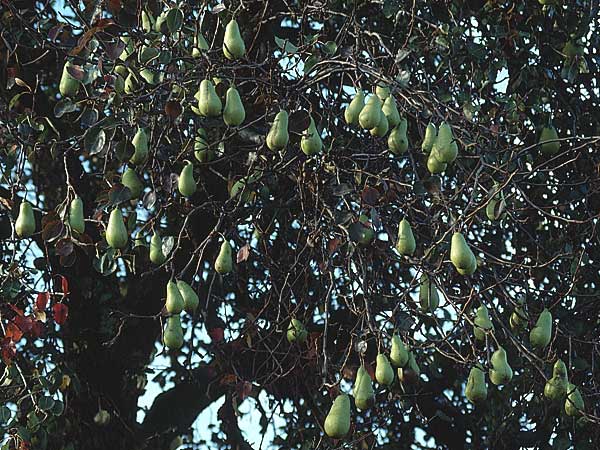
(60, 312)
(243, 253)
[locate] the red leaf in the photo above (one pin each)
(16, 310)
(41, 302)
(64, 284)
(216, 334)
(60, 311)
(24, 323)
(243, 388)
(243, 253)
(37, 329)
(9, 350)
(13, 332)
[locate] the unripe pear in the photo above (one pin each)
(224, 261)
(500, 372)
(390, 111)
(278, 135)
(406, 244)
(443, 148)
(384, 374)
(541, 333)
(519, 318)
(76, 219)
(429, 298)
(482, 323)
(382, 91)
(556, 387)
(25, 223)
(200, 45)
(131, 180)
(398, 352)
(116, 232)
(209, 103)
(476, 390)
(234, 112)
(337, 422)
(174, 303)
(398, 140)
(173, 334)
(381, 129)
(429, 139)
(547, 135)
(190, 298)
(233, 44)
(311, 142)
(434, 166)
(461, 255)
(69, 85)
(186, 183)
(296, 332)
(410, 373)
(364, 396)
(156, 252)
(371, 114)
(354, 108)
(574, 402)
(140, 144)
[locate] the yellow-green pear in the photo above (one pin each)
(337, 422)
(384, 374)
(409, 374)
(461, 255)
(311, 142)
(381, 129)
(429, 298)
(354, 108)
(482, 323)
(186, 182)
(476, 390)
(132, 181)
(200, 45)
(398, 352)
(173, 334)
(371, 114)
(434, 166)
(382, 91)
(174, 303)
(131, 83)
(574, 404)
(76, 219)
(556, 387)
(296, 332)
(234, 112)
(500, 372)
(443, 148)
(519, 318)
(541, 333)
(406, 244)
(25, 223)
(140, 144)
(398, 140)
(190, 298)
(233, 44)
(429, 139)
(116, 233)
(209, 103)
(69, 85)
(156, 252)
(278, 135)
(390, 110)
(548, 141)
(364, 396)
(224, 261)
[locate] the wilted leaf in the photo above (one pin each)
(60, 312)
(243, 253)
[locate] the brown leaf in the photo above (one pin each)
(173, 109)
(243, 253)
(53, 230)
(64, 247)
(332, 245)
(370, 195)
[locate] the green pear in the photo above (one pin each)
(174, 303)
(116, 233)
(233, 44)
(429, 139)
(500, 372)
(443, 148)
(390, 110)
(140, 144)
(190, 298)
(409, 374)
(234, 112)
(354, 108)
(132, 181)
(337, 422)
(186, 182)
(76, 219)
(434, 166)
(461, 255)
(541, 333)
(173, 334)
(200, 45)
(69, 85)
(406, 244)
(398, 140)
(556, 387)
(156, 252)
(25, 223)
(381, 129)
(311, 142)
(278, 135)
(364, 396)
(209, 103)
(398, 352)
(574, 401)
(476, 390)
(382, 91)
(296, 332)
(429, 298)
(384, 374)
(548, 141)
(482, 323)
(371, 114)
(224, 261)
(519, 318)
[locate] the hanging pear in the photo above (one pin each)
(174, 303)
(186, 182)
(548, 141)
(384, 374)
(381, 129)
(434, 166)
(364, 396)
(156, 252)
(410, 373)
(556, 387)
(429, 298)
(209, 103)
(234, 112)
(496, 206)
(541, 333)
(354, 108)
(69, 85)
(296, 332)
(140, 144)
(278, 135)
(429, 139)
(311, 142)
(366, 232)
(76, 219)
(337, 422)
(405, 245)
(500, 372)
(443, 149)
(173, 334)
(25, 223)
(224, 261)
(132, 181)
(476, 390)
(200, 45)
(461, 255)
(390, 110)
(190, 298)
(116, 233)
(371, 114)
(131, 83)
(398, 352)
(382, 91)
(519, 318)
(482, 323)
(398, 140)
(574, 401)
(233, 44)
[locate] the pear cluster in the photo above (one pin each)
(180, 297)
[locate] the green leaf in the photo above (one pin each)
(330, 48)
(285, 45)
(390, 8)
(45, 403)
(94, 140)
(174, 20)
(167, 245)
(58, 408)
(309, 63)
(64, 106)
(5, 414)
